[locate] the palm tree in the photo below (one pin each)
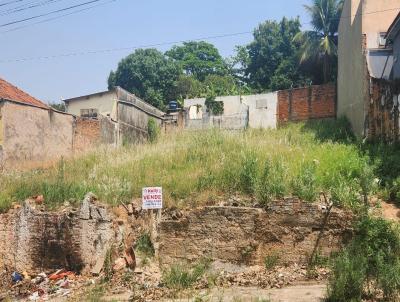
(320, 44)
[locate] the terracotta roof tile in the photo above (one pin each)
(13, 93)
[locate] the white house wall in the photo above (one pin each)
(255, 111)
(262, 110)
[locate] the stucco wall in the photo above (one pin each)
(104, 103)
(34, 135)
(352, 67)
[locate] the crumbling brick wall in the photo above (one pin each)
(86, 135)
(301, 104)
(288, 228)
(383, 111)
(34, 241)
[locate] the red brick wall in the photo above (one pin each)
(306, 103)
(87, 134)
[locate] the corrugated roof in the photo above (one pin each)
(13, 93)
(380, 63)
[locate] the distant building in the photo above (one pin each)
(91, 105)
(123, 116)
(363, 58)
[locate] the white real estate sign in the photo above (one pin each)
(152, 198)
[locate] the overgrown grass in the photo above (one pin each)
(181, 276)
(194, 167)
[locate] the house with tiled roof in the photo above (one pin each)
(13, 93)
(31, 132)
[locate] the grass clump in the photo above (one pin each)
(182, 276)
(145, 246)
(370, 266)
(153, 130)
(270, 261)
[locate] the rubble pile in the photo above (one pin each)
(276, 278)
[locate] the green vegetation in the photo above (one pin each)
(153, 130)
(271, 260)
(181, 276)
(145, 246)
(369, 267)
(194, 167)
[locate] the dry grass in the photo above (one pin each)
(195, 167)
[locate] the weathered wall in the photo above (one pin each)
(133, 122)
(247, 235)
(302, 104)
(34, 135)
(262, 110)
(108, 131)
(36, 241)
(383, 114)
(86, 134)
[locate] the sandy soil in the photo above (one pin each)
(299, 293)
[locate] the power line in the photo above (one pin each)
(149, 45)
(49, 13)
(25, 7)
(10, 2)
(57, 17)
(72, 54)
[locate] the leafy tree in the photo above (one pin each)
(58, 106)
(270, 58)
(149, 74)
(320, 44)
(220, 85)
(198, 59)
(188, 87)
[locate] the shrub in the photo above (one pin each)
(153, 130)
(371, 260)
(181, 276)
(248, 173)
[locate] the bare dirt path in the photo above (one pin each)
(298, 293)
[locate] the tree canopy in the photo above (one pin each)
(280, 56)
(149, 74)
(270, 60)
(198, 59)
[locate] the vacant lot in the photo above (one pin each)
(200, 167)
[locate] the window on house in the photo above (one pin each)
(90, 113)
(382, 39)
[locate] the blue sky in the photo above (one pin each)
(119, 24)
